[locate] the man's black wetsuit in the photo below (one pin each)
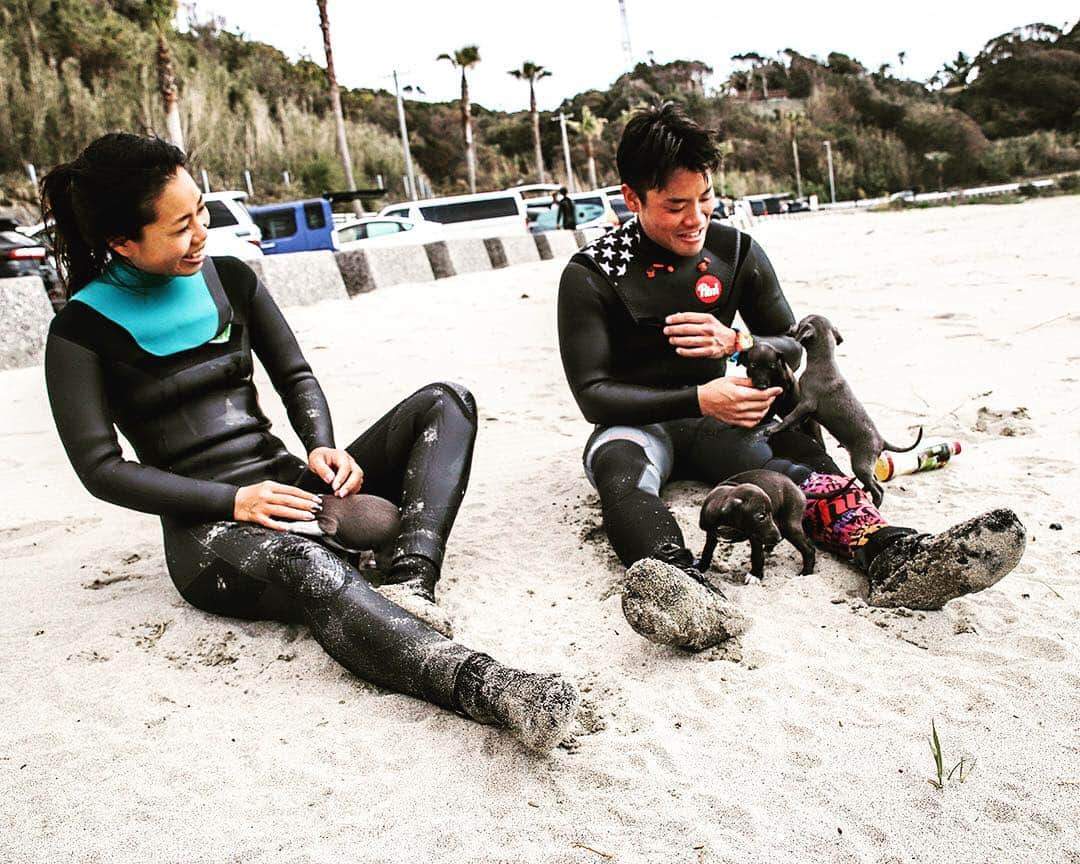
(627, 378)
(194, 420)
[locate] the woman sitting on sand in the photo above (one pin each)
(157, 342)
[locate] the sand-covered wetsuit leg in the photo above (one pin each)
(630, 465)
(418, 455)
(242, 569)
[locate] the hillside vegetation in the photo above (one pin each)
(72, 69)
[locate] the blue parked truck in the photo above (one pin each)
(295, 226)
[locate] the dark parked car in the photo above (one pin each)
(22, 256)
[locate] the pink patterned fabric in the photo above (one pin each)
(842, 523)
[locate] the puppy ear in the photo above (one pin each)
(836, 335)
(744, 359)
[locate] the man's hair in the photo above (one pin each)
(657, 142)
(562, 190)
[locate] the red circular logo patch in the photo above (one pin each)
(708, 288)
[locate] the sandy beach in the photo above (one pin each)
(135, 728)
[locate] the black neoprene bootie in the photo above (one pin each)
(411, 585)
(537, 708)
(669, 602)
(926, 571)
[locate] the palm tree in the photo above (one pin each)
(160, 14)
(726, 150)
(464, 59)
(794, 120)
(532, 73)
(589, 127)
(938, 158)
(335, 102)
(959, 70)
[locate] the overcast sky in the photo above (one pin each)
(580, 41)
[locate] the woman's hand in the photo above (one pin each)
(698, 334)
(337, 469)
(266, 502)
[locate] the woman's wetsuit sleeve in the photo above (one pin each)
(273, 341)
(80, 408)
(588, 360)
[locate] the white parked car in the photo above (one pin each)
(485, 214)
(232, 231)
(386, 231)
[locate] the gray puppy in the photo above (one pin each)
(763, 507)
(826, 395)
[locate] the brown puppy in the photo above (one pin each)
(353, 523)
(826, 395)
(760, 506)
(766, 367)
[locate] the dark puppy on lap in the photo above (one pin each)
(767, 366)
(763, 507)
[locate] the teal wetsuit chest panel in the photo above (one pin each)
(163, 315)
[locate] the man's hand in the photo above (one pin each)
(698, 334)
(264, 503)
(337, 469)
(735, 401)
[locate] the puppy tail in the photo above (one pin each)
(836, 493)
(918, 438)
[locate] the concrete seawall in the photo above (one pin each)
(25, 314)
(301, 278)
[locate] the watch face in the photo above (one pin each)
(708, 289)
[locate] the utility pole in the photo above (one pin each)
(626, 37)
(832, 181)
(566, 153)
(405, 139)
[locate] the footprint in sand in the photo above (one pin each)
(1007, 423)
(19, 541)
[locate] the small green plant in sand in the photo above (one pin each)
(939, 763)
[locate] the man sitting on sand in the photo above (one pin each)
(645, 331)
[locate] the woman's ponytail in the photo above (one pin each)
(78, 260)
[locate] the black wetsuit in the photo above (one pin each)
(194, 420)
(627, 378)
(567, 215)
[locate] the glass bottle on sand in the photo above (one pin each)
(928, 458)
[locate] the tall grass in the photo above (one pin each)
(50, 111)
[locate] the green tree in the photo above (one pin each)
(589, 127)
(756, 62)
(464, 59)
(532, 73)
